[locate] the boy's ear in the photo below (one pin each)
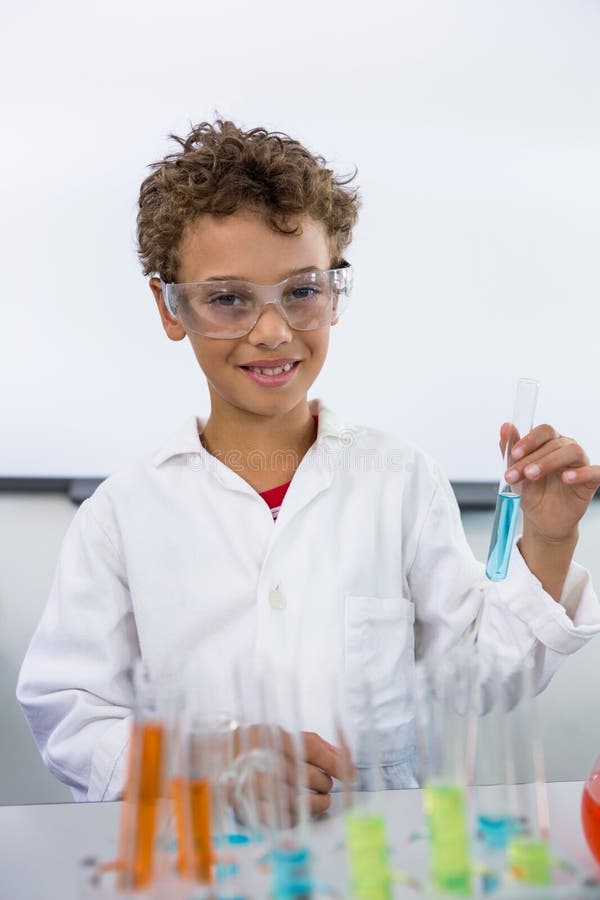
(173, 329)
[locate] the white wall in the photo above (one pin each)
(32, 527)
(474, 127)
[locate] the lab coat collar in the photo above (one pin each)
(331, 434)
(184, 441)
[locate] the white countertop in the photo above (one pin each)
(42, 845)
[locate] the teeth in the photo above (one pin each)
(277, 371)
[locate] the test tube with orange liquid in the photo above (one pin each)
(191, 796)
(140, 811)
(212, 788)
(144, 788)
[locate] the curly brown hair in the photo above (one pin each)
(221, 169)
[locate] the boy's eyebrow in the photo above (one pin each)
(239, 278)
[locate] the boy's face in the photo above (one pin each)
(242, 246)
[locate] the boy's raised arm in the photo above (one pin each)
(454, 600)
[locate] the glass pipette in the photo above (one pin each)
(509, 495)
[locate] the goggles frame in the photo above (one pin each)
(341, 277)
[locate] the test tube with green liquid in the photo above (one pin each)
(528, 851)
(445, 809)
(509, 496)
(445, 727)
(366, 828)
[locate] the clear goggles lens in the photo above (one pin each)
(230, 309)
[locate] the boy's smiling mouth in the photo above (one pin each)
(271, 372)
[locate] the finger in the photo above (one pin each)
(319, 803)
(317, 780)
(531, 442)
(550, 447)
(279, 803)
(561, 453)
(290, 754)
(312, 777)
(279, 798)
(324, 756)
(508, 432)
(291, 766)
(588, 476)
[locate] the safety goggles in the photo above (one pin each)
(231, 308)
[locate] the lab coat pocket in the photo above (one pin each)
(380, 650)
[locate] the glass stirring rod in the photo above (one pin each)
(509, 496)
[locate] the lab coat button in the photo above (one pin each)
(276, 599)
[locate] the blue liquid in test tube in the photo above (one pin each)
(503, 535)
(495, 832)
(509, 496)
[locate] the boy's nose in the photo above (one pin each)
(271, 328)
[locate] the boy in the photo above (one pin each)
(257, 530)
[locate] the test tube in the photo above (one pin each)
(509, 496)
(224, 820)
(286, 807)
(444, 716)
(493, 824)
(192, 802)
(528, 851)
(366, 827)
(144, 788)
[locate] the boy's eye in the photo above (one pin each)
(227, 301)
(303, 293)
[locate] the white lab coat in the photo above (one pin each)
(366, 568)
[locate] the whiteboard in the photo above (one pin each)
(475, 128)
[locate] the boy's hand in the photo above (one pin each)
(323, 764)
(321, 760)
(557, 481)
